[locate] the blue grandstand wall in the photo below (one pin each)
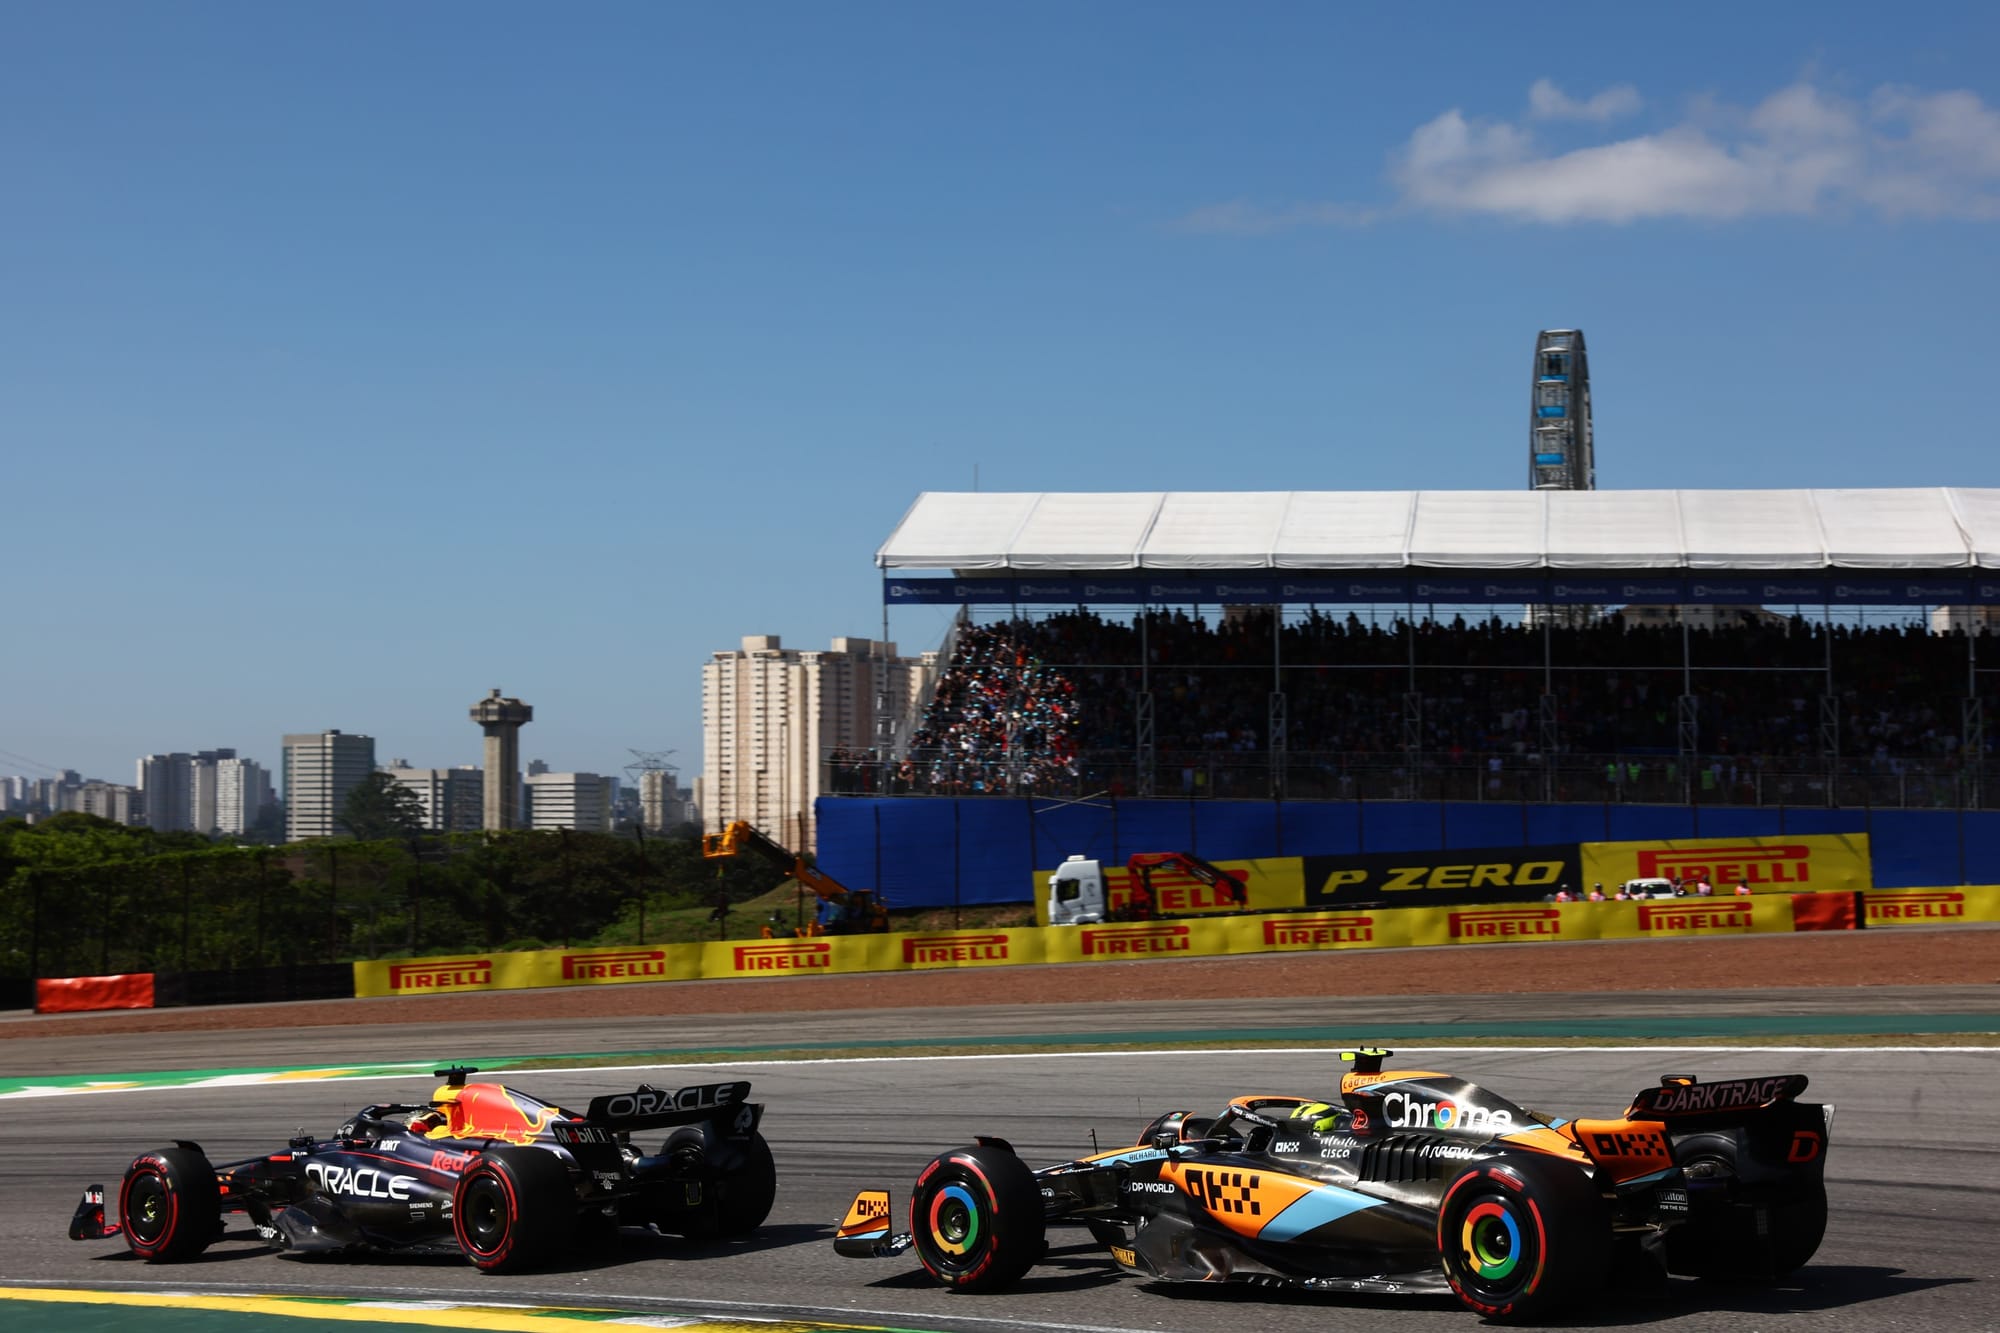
(943, 852)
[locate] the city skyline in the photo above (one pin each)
(690, 320)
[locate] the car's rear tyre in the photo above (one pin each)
(744, 1197)
(169, 1205)
(513, 1209)
(976, 1217)
(1522, 1236)
(741, 1197)
(1728, 1242)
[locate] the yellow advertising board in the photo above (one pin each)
(1274, 882)
(1933, 907)
(1535, 923)
(526, 971)
(1805, 863)
(1113, 942)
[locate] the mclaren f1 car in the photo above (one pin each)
(503, 1177)
(1414, 1182)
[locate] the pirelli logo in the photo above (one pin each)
(1916, 905)
(1135, 941)
(1719, 914)
(1775, 863)
(788, 956)
(1506, 923)
(614, 965)
(441, 976)
(1317, 932)
(944, 950)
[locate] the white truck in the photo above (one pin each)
(1080, 896)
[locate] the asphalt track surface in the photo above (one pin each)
(1913, 1172)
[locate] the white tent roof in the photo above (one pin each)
(1931, 528)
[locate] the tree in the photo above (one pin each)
(381, 807)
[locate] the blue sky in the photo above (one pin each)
(357, 358)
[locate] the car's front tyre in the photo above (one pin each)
(976, 1218)
(170, 1205)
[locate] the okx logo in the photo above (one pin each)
(1224, 1191)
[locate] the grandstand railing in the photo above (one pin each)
(1896, 782)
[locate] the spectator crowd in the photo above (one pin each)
(1039, 705)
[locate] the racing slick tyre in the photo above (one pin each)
(742, 1197)
(170, 1205)
(1730, 1243)
(513, 1209)
(976, 1217)
(1521, 1236)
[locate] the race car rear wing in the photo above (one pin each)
(648, 1107)
(1681, 1098)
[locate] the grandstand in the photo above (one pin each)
(1379, 646)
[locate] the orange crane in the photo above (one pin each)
(739, 839)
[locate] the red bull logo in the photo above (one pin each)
(489, 1111)
(453, 975)
(1317, 932)
(614, 965)
(1778, 863)
(1486, 925)
(788, 956)
(1135, 941)
(1917, 905)
(934, 950)
(1721, 914)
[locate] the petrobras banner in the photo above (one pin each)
(1506, 588)
(1806, 863)
(1456, 875)
(1271, 882)
(1933, 907)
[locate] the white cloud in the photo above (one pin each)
(1801, 152)
(1548, 102)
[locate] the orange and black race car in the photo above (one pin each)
(1416, 1182)
(481, 1169)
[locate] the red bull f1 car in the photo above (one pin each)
(504, 1178)
(1415, 1182)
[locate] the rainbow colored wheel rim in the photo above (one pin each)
(1491, 1240)
(954, 1220)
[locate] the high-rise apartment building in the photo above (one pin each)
(453, 799)
(243, 793)
(164, 780)
(580, 801)
(320, 770)
(180, 789)
(664, 805)
(771, 716)
(108, 800)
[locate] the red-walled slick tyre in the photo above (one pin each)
(976, 1218)
(170, 1205)
(1520, 1237)
(513, 1209)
